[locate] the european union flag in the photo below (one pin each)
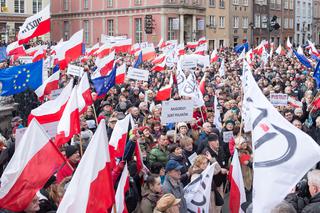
(19, 78)
(303, 60)
(239, 48)
(316, 74)
(105, 83)
(138, 61)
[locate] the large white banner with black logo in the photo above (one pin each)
(283, 154)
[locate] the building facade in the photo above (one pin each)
(316, 22)
(266, 12)
(13, 14)
(183, 20)
(303, 21)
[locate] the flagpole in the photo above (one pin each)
(175, 133)
(202, 115)
(81, 150)
(94, 112)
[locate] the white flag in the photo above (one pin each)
(283, 154)
(217, 118)
(245, 109)
(191, 89)
(197, 193)
(221, 69)
(181, 78)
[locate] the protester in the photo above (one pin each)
(167, 204)
(73, 156)
(151, 193)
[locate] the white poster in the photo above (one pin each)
(279, 99)
(191, 61)
(176, 111)
(75, 70)
(138, 74)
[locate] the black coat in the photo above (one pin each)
(183, 162)
(313, 206)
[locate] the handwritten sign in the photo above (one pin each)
(176, 111)
(75, 70)
(279, 99)
(138, 74)
(227, 135)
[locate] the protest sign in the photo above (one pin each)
(176, 111)
(191, 61)
(138, 74)
(25, 59)
(192, 158)
(75, 70)
(279, 99)
(227, 135)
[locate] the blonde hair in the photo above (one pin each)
(185, 141)
(199, 160)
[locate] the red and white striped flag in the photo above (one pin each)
(214, 56)
(84, 94)
(36, 25)
(121, 74)
(192, 44)
(148, 53)
(40, 54)
(34, 161)
(69, 123)
(159, 67)
(180, 50)
(104, 50)
(51, 111)
(237, 192)
(92, 50)
(165, 92)
(201, 49)
(122, 46)
(160, 58)
(15, 49)
(104, 65)
(48, 85)
(93, 174)
(123, 187)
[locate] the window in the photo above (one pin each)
(171, 32)
(245, 2)
(264, 21)
(66, 4)
(272, 4)
(138, 27)
(245, 22)
(291, 5)
(257, 20)
(66, 28)
(212, 3)
(309, 27)
(298, 27)
(110, 27)
(19, 6)
(278, 5)
(236, 2)
(137, 2)
(221, 21)
(86, 4)
(304, 9)
(36, 6)
(212, 21)
(261, 2)
(309, 10)
(235, 22)
(109, 3)
(221, 3)
(286, 4)
(298, 8)
(221, 43)
(3, 3)
(291, 23)
(286, 23)
(86, 31)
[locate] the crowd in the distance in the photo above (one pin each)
(169, 155)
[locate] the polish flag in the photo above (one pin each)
(161, 44)
(192, 45)
(123, 187)
(122, 46)
(280, 50)
(93, 49)
(40, 54)
(70, 50)
(135, 48)
(160, 58)
(165, 92)
(313, 49)
(69, 123)
(56, 47)
(294, 102)
(159, 67)
(15, 49)
(202, 84)
(32, 50)
(259, 49)
(201, 49)
(289, 45)
(181, 50)
(51, 111)
(119, 137)
(93, 174)
(214, 56)
(148, 53)
(202, 40)
(34, 161)
(84, 94)
(34, 26)
(52, 83)
(104, 50)
(104, 65)
(121, 74)
(237, 192)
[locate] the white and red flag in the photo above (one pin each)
(160, 58)
(164, 92)
(123, 187)
(280, 50)
(192, 44)
(40, 54)
(50, 84)
(92, 50)
(148, 53)
(103, 50)
(32, 50)
(237, 192)
(121, 74)
(122, 46)
(34, 161)
(84, 94)
(159, 67)
(214, 56)
(93, 174)
(69, 123)
(34, 26)
(202, 40)
(202, 84)
(104, 65)
(15, 49)
(51, 111)
(201, 49)
(288, 44)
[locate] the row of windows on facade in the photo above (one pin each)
(236, 22)
(304, 9)
(19, 5)
(261, 21)
(276, 4)
(212, 3)
(110, 3)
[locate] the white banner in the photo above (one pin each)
(279, 99)
(198, 192)
(191, 61)
(111, 39)
(75, 70)
(191, 89)
(176, 111)
(137, 74)
(25, 59)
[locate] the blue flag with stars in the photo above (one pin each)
(138, 61)
(20, 78)
(316, 74)
(103, 84)
(303, 59)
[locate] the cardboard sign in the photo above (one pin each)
(227, 136)
(176, 111)
(75, 70)
(192, 158)
(191, 61)
(55, 93)
(138, 74)
(25, 59)
(279, 99)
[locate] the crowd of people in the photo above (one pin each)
(175, 154)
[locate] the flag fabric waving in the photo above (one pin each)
(34, 161)
(104, 65)
(278, 152)
(303, 59)
(316, 74)
(237, 192)
(48, 86)
(123, 187)
(36, 25)
(105, 83)
(198, 192)
(17, 79)
(138, 61)
(240, 47)
(121, 74)
(93, 174)
(84, 94)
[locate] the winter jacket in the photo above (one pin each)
(149, 201)
(202, 142)
(158, 154)
(183, 162)
(66, 171)
(313, 206)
